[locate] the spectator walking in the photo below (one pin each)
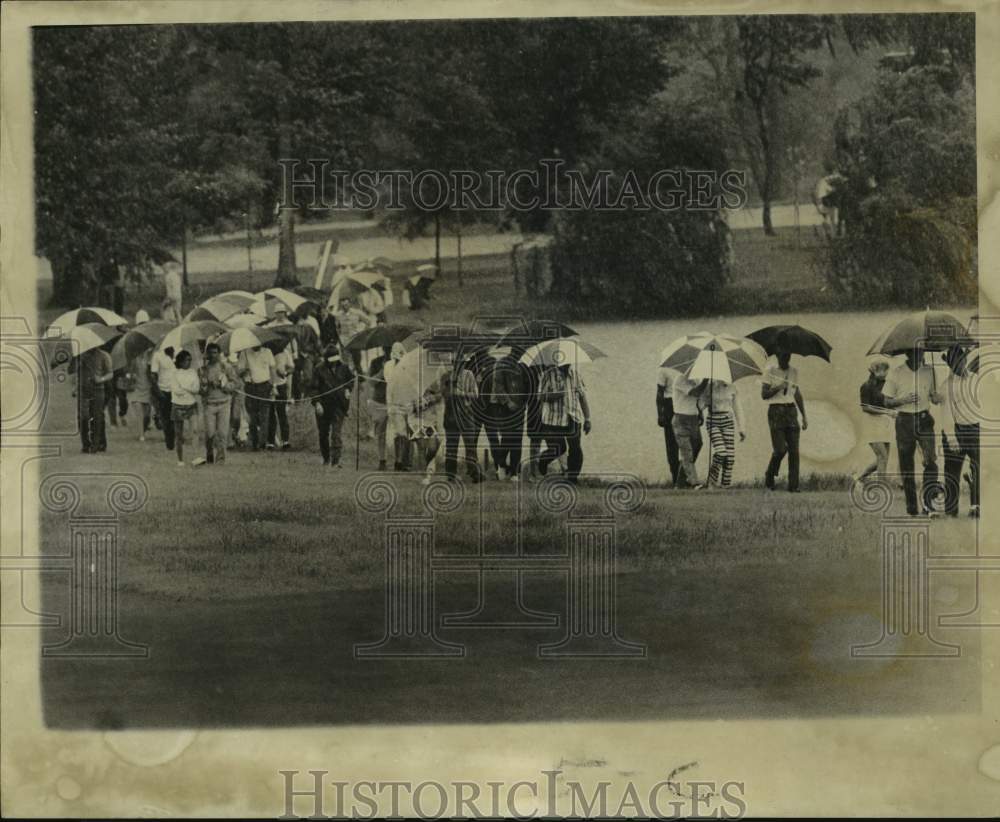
(565, 414)
(877, 420)
(780, 390)
(686, 422)
(162, 371)
(257, 370)
(139, 392)
(184, 402)
(93, 372)
(218, 384)
(331, 395)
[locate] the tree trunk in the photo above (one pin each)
(437, 243)
(767, 159)
(184, 256)
(287, 269)
(67, 284)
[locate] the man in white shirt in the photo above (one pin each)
(284, 368)
(780, 390)
(257, 369)
(173, 285)
(161, 366)
(686, 423)
(960, 439)
(910, 390)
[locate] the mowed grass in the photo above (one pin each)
(278, 523)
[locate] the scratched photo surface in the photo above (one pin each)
(485, 414)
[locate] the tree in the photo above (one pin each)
(101, 167)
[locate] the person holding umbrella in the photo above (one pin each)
(664, 419)
(93, 372)
(910, 389)
(780, 390)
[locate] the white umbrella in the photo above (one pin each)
(187, 334)
(707, 356)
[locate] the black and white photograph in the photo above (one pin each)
(461, 412)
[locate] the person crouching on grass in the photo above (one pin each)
(218, 384)
(331, 396)
(184, 402)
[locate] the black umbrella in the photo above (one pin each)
(381, 336)
(792, 338)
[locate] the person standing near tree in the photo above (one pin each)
(910, 390)
(780, 390)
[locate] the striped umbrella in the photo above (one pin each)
(141, 338)
(83, 338)
(215, 308)
(357, 283)
(706, 356)
(62, 325)
(240, 339)
(244, 299)
(187, 334)
(561, 352)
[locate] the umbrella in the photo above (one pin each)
(356, 283)
(418, 371)
(244, 299)
(561, 352)
(714, 356)
(428, 271)
(265, 301)
(458, 338)
(141, 338)
(930, 330)
(316, 295)
(82, 338)
(381, 336)
(245, 320)
(240, 339)
(792, 338)
(62, 325)
(186, 334)
(215, 308)
(526, 334)
(381, 264)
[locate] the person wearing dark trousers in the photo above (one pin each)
(910, 390)
(93, 370)
(116, 398)
(565, 413)
(502, 391)
(780, 390)
(162, 371)
(284, 367)
(963, 442)
(461, 422)
(686, 424)
(664, 419)
(331, 393)
(257, 369)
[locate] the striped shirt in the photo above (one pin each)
(566, 408)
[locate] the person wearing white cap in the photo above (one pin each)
(141, 316)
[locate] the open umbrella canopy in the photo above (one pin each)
(137, 340)
(268, 300)
(187, 334)
(381, 336)
(215, 308)
(427, 271)
(561, 352)
(245, 320)
(62, 325)
(357, 283)
(927, 330)
(458, 339)
(83, 338)
(710, 356)
(383, 265)
(417, 372)
(524, 334)
(244, 299)
(240, 339)
(791, 338)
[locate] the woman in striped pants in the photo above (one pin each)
(721, 405)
